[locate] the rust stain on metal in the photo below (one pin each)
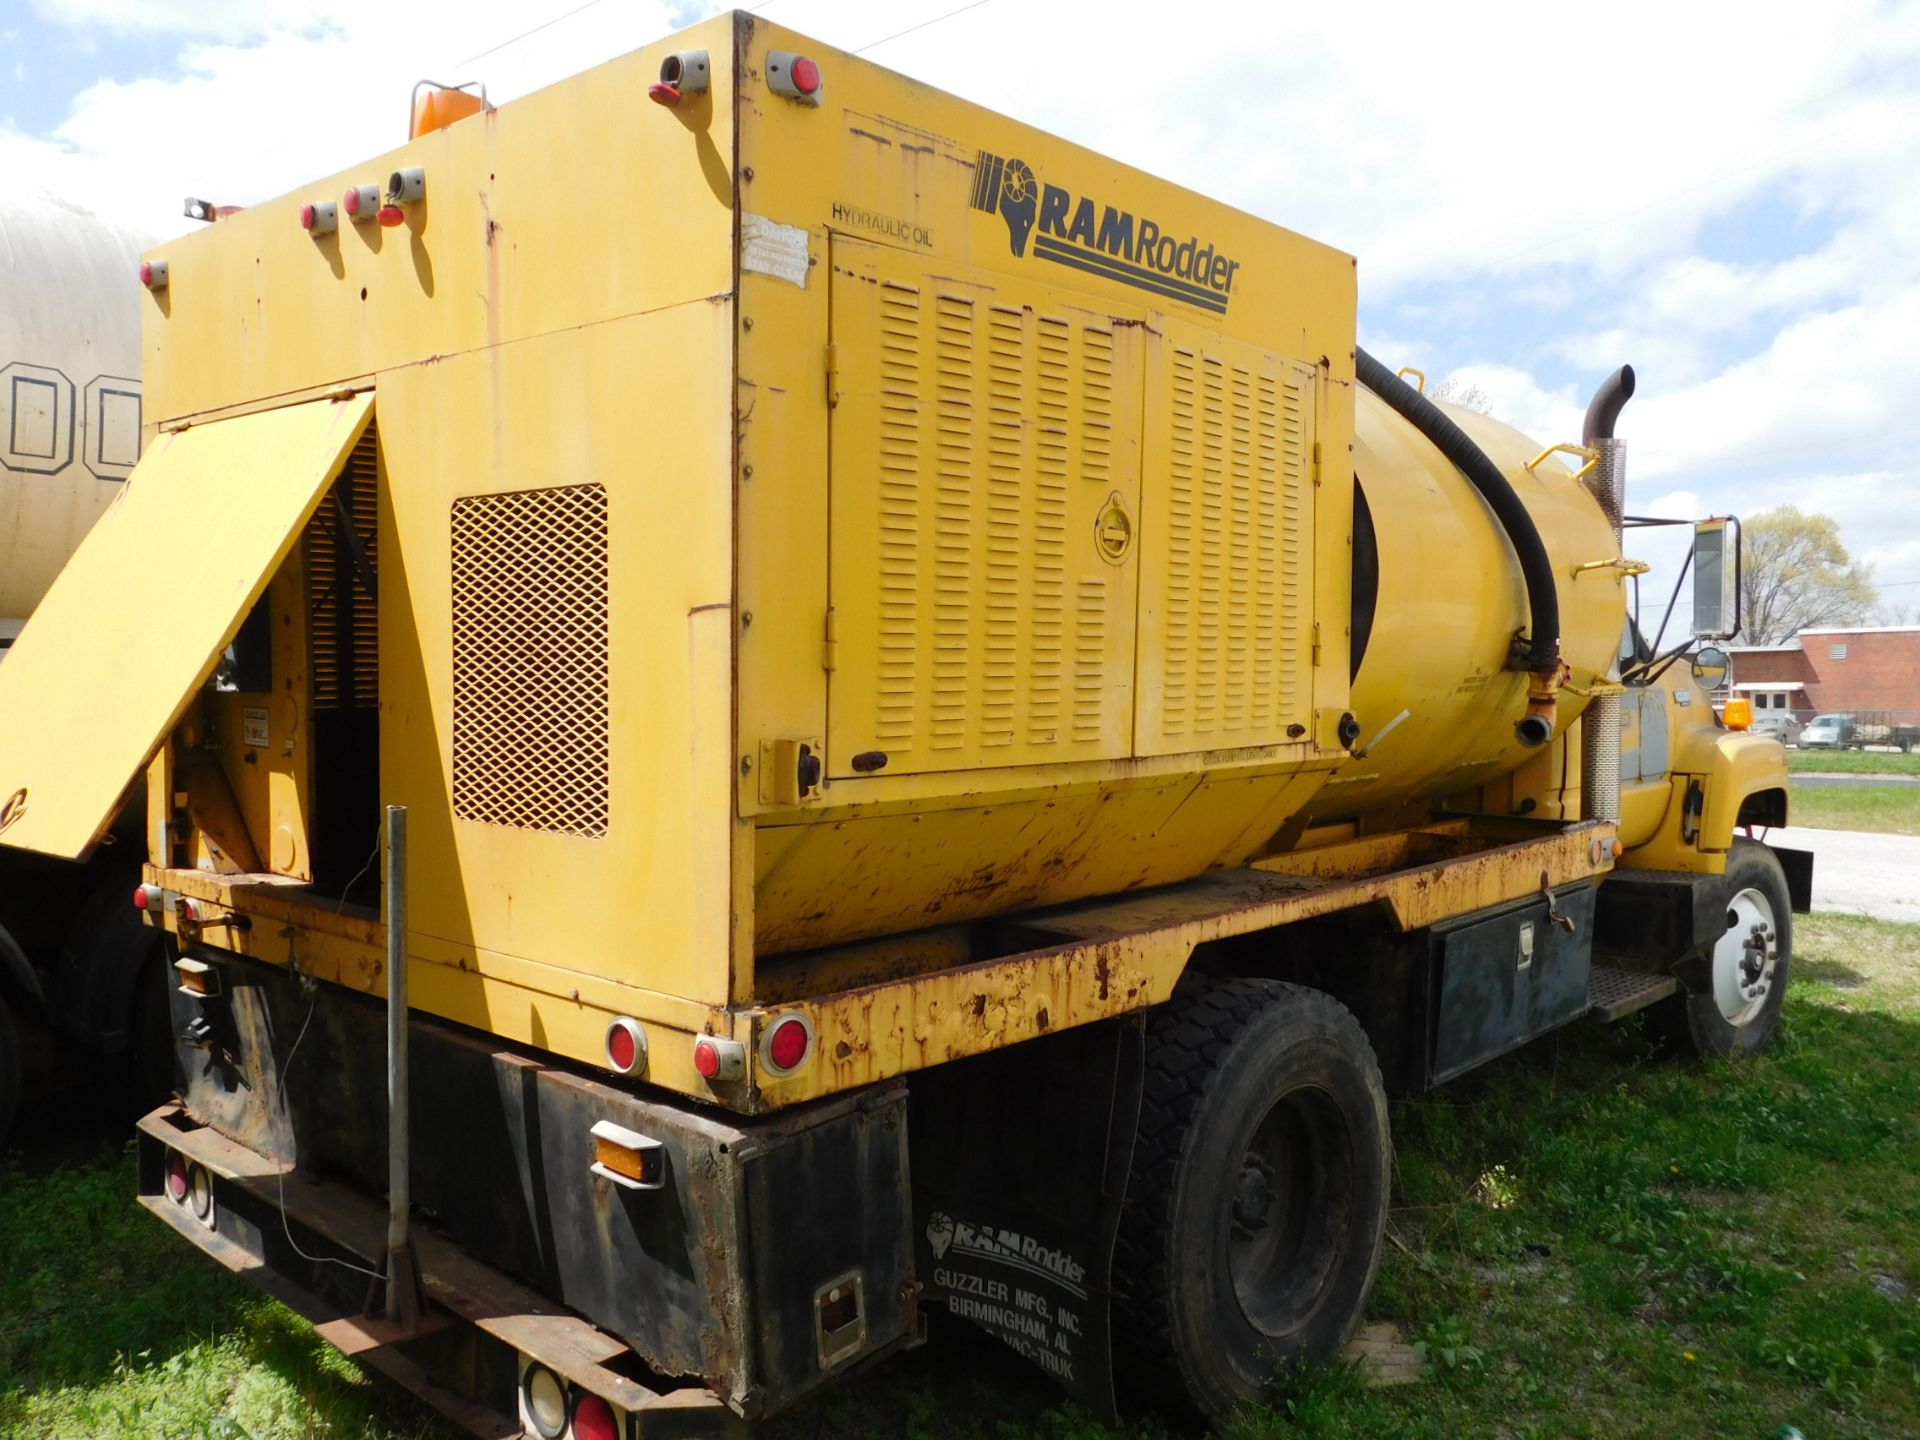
(1103, 958)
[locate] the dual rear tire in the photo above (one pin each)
(1258, 1194)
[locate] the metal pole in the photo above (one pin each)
(399, 1180)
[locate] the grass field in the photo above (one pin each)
(1852, 762)
(1588, 1242)
(1883, 809)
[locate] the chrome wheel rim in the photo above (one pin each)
(1746, 958)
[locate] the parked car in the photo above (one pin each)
(1782, 727)
(1828, 732)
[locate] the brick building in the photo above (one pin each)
(1820, 672)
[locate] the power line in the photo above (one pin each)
(535, 31)
(921, 26)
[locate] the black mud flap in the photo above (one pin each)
(1797, 866)
(1020, 1165)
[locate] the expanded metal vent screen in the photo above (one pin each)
(530, 659)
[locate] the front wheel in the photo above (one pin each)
(1745, 979)
(1258, 1193)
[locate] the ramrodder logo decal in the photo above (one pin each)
(1101, 240)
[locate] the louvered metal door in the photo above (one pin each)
(1226, 573)
(985, 517)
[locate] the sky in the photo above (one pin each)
(1725, 195)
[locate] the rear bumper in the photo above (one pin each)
(731, 1271)
(479, 1329)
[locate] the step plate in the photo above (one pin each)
(1613, 993)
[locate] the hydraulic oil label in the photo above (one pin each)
(1101, 239)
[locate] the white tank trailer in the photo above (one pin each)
(69, 435)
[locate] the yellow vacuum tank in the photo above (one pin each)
(1439, 600)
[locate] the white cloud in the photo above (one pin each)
(1517, 398)
(228, 19)
(1833, 383)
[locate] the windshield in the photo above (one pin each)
(1829, 719)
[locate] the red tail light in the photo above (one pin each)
(706, 1057)
(788, 1040)
(593, 1419)
(177, 1178)
(626, 1045)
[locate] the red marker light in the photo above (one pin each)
(177, 1177)
(620, 1049)
(146, 272)
(663, 94)
(806, 75)
(351, 200)
(787, 1043)
(593, 1419)
(626, 1045)
(392, 215)
(306, 217)
(706, 1057)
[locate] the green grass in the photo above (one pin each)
(1852, 762)
(111, 1326)
(1589, 1242)
(1883, 809)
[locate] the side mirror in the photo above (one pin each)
(1711, 666)
(1716, 579)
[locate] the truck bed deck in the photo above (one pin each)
(884, 1007)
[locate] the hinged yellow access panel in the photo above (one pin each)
(985, 491)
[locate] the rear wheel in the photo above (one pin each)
(1258, 1193)
(1738, 1006)
(152, 1071)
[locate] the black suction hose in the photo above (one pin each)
(1543, 597)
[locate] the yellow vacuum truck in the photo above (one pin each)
(773, 708)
